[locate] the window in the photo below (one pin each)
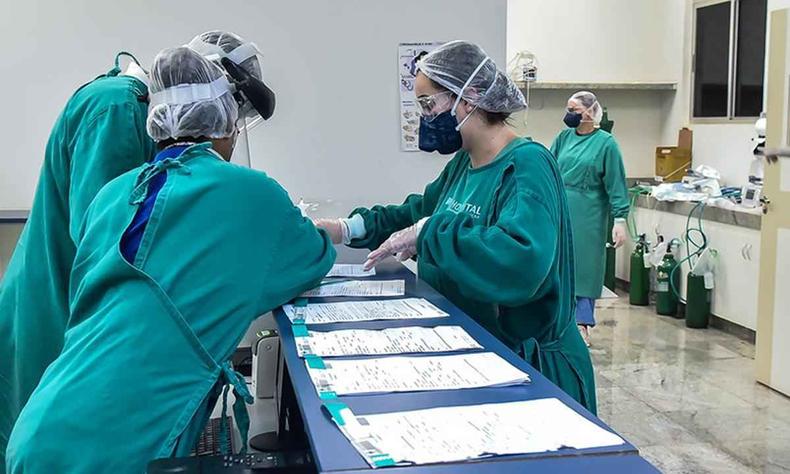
(729, 59)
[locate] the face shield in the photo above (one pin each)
(242, 66)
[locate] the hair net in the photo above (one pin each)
(215, 45)
(190, 97)
(452, 66)
(589, 102)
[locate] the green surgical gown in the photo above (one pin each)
(99, 135)
(594, 177)
(498, 245)
(148, 344)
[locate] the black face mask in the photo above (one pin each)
(250, 90)
(440, 134)
(572, 119)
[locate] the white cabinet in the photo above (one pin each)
(735, 292)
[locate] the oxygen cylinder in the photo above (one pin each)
(666, 280)
(639, 293)
(697, 302)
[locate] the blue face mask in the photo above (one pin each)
(440, 134)
(572, 119)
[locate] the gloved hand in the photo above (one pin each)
(336, 228)
(402, 244)
(619, 233)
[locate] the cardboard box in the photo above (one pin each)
(685, 139)
(672, 163)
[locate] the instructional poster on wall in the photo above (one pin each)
(408, 55)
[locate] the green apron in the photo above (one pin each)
(99, 135)
(498, 245)
(147, 349)
(594, 176)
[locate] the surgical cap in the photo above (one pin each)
(589, 102)
(190, 97)
(452, 65)
(215, 45)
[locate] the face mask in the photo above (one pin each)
(440, 134)
(572, 119)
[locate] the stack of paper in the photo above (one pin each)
(405, 340)
(349, 270)
(354, 311)
(450, 434)
(358, 288)
(411, 374)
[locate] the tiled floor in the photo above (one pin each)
(686, 397)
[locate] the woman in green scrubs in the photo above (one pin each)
(594, 176)
(99, 135)
(492, 232)
(174, 261)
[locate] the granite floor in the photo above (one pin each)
(687, 398)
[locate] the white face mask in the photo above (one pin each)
(461, 93)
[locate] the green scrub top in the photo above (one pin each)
(99, 135)
(498, 245)
(147, 350)
(594, 176)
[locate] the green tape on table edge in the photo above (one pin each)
(314, 362)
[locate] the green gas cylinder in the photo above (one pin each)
(697, 302)
(639, 293)
(667, 281)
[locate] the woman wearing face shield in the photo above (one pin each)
(174, 262)
(592, 170)
(492, 232)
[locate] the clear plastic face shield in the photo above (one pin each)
(256, 100)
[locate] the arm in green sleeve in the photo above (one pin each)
(303, 258)
(110, 144)
(507, 263)
(614, 180)
(383, 221)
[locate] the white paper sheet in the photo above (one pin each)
(358, 288)
(450, 434)
(350, 270)
(411, 374)
(355, 311)
(405, 340)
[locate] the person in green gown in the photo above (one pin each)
(174, 260)
(492, 232)
(99, 135)
(592, 170)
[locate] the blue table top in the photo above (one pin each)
(334, 453)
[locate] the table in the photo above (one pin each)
(333, 452)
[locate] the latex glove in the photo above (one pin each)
(403, 244)
(336, 228)
(619, 233)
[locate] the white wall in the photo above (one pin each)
(638, 117)
(603, 41)
(333, 64)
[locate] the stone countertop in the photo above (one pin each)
(710, 213)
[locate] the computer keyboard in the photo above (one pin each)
(209, 442)
(298, 462)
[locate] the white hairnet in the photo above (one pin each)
(589, 102)
(215, 45)
(190, 97)
(452, 64)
